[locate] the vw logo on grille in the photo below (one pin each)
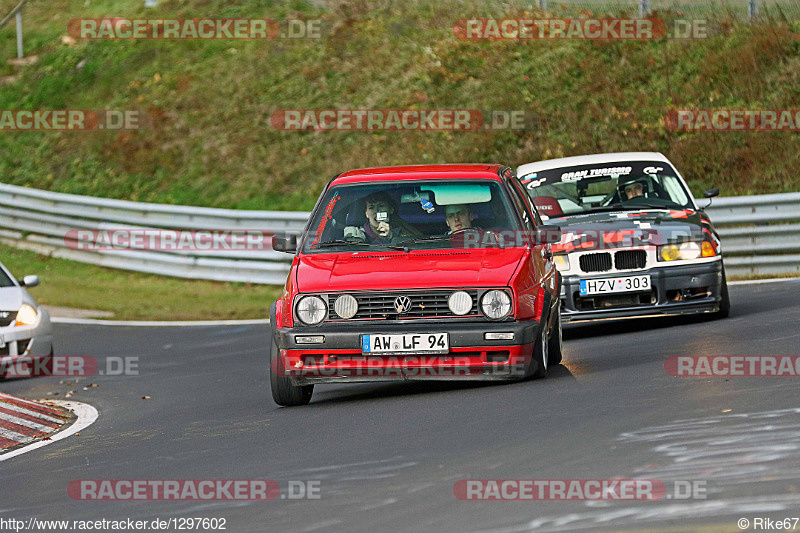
(402, 304)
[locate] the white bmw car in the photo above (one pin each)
(634, 241)
(25, 328)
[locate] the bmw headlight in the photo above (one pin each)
(562, 262)
(495, 304)
(27, 316)
(346, 306)
(311, 310)
(460, 303)
(684, 251)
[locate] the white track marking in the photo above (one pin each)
(86, 415)
(26, 423)
(13, 435)
(12, 407)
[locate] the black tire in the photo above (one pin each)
(540, 353)
(284, 392)
(556, 340)
(725, 302)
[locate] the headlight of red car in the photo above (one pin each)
(495, 304)
(311, 310)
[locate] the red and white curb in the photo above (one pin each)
(26, 425)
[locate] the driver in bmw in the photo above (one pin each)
(633, 189)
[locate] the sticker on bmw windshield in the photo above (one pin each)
(595, 172)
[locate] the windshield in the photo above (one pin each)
(5, 281)
(607, 187)
(407, 215)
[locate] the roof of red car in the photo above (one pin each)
(410, 172)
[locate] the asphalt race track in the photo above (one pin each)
(386, 456)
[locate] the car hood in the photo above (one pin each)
(11, 298)
(625, 228)
(399, 270)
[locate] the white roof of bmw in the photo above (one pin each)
(596, 159)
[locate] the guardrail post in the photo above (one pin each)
(20, 53)
(752, 9)
(644, 8)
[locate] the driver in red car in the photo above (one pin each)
(458, 217)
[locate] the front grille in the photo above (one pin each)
(21, 347)
(630, 259)
(596, 262)
(380, 305)
(7, 317)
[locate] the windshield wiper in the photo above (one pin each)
(342, 242)
(652, 206)
(630, 207)
(426, 239)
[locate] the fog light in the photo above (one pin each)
(503, 336)
(309, 339)
(460, 303)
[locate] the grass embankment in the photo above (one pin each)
(211, 142)
(136, 296)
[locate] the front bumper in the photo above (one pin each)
(28, 340)
(675, 290)
(339, 358)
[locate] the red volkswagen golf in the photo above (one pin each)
(437, 272)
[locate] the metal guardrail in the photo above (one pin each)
(760, 234)
(17, 13)
(39, 221)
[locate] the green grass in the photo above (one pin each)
(210, 142)
(136, 296)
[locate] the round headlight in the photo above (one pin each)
(311, 310)
(495, 304)
(460, 303)
(26, 316)
(670, 252)
(689, 250)
(346, 306)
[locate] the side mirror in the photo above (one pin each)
(548, 235)
(30, 281)
(284, 242)
(711, 193)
